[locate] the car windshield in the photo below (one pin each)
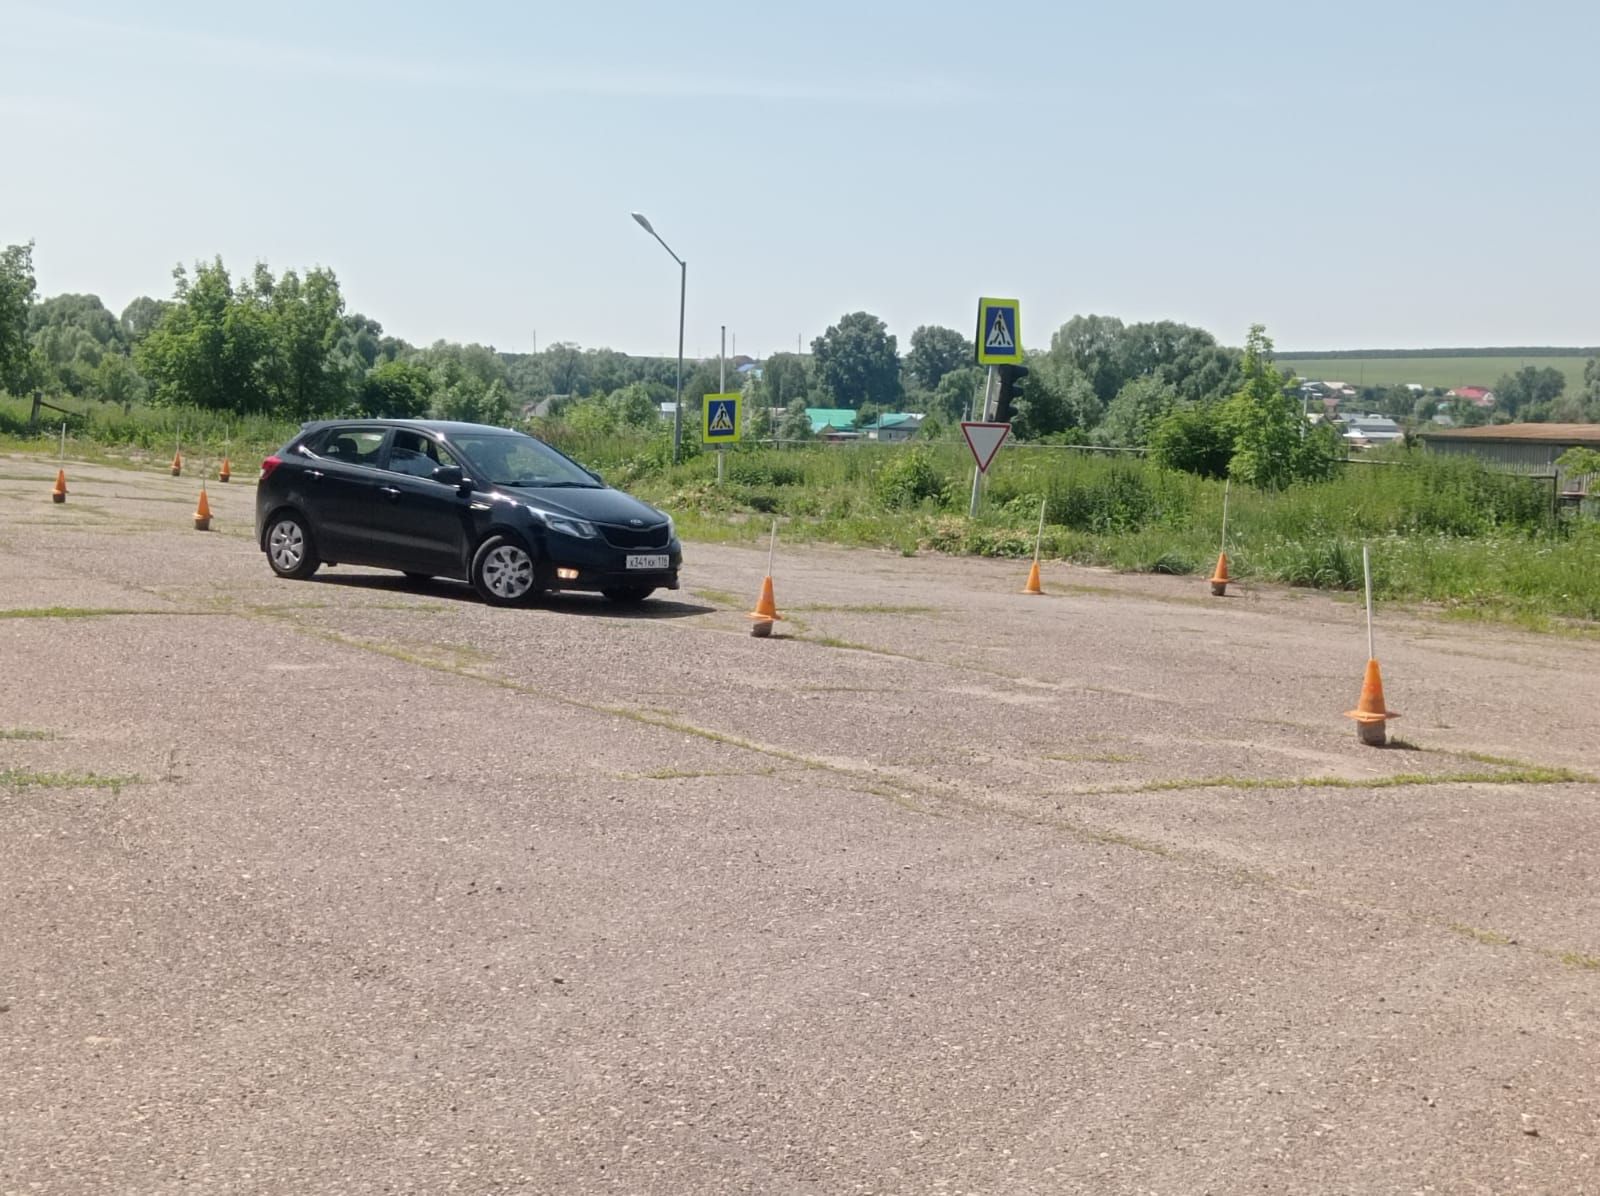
(510, 459)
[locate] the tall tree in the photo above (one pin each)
(303, 321)
(209, 348)
(1528, 388)
(784, 378)
(140, 317)
(954, 396)
(1136, 410)
(1272, 443)
(1093, 345)
(396, 390)
(17, 288)
(935, 352)
(857, 362)
(796, 424)
(566, 369)
(1055, 397)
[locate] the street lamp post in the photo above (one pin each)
(683, 290)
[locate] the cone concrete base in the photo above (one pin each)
(1373, 734)
(202, 525)
(761, 628)
(1219, 589)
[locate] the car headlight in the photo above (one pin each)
(566, 525)
(672, 528)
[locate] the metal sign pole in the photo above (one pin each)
(981, 415)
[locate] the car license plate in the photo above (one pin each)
(655, 560)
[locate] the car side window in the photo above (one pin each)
(353, 446)
(418, 455)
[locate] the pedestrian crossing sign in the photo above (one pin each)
(720, 419)
(999, 332)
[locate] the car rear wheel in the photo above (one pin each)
(629, 595)
(503, 572)
(290, 549)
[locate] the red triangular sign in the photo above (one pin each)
(984, 440)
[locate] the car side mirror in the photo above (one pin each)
(593, 474)
(451, 475)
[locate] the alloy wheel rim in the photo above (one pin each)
(508, 571)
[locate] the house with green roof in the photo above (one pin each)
(893, 427)
(833, 423)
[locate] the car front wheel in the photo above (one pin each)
(290, 550)
(503, 572)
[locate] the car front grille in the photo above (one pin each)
(634, 537)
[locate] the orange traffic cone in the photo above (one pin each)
(1033, 586)
(202, 513)
(177, 464)
(1370, 712)
(1220, 579)
(59, 494)
(225, 472)
(766, 611)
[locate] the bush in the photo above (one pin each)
(911, 479)
(1114, 499)
(1193, 439)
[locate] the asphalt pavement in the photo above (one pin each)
(358, 885)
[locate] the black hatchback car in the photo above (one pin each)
(487, 505)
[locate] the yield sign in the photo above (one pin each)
(984, 440)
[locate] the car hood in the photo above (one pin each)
(597, 505)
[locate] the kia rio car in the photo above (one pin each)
(497, 508)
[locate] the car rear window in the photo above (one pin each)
(354, 446)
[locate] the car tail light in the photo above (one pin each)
(268, 466)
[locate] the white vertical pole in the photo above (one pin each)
(63, 443)
(1038, 540)
(772, 547)
(1366, 569)
(1226, 485)
(981, 415)
(722, 387)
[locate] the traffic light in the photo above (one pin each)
(1011, 377)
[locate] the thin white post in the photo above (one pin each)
(772, 547)
(1226, 484)
(63, 443)
(1038, 540)
(1366, 569)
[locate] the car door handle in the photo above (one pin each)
(314, 475)
(389, 492)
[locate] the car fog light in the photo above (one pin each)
(567, 574)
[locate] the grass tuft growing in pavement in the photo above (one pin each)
(25, 733)
(1489, 938)
(1527, 774)
(16, 778)
(1091, 757)
(73, 612)
(866, 608)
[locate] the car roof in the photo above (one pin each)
(446, 426)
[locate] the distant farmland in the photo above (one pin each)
(1443, 370)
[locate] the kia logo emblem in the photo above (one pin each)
(637, 522)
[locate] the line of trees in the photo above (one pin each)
(286, 346)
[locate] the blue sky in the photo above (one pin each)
(1351, 174)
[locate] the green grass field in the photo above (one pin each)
(1443, 372)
